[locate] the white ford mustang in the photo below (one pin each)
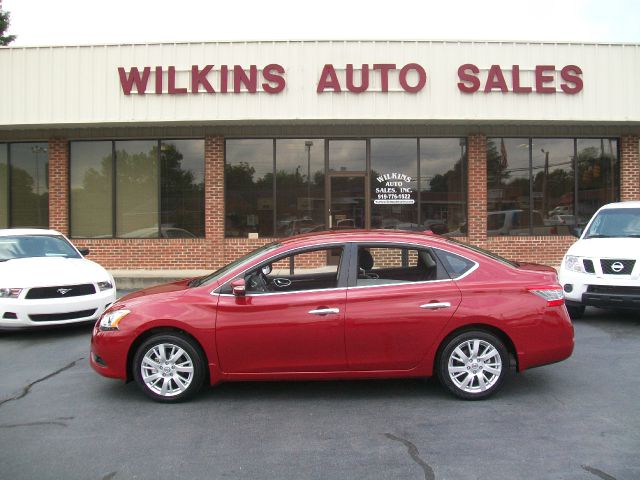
(45, 280)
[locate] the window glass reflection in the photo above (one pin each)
(598, 176)
(347, 155)
(394, 183)
(182, 190)
(91, 189)
(508, 186)
(137, 211)
(29, 185)
(4, 187)
(443, 185)
(299, 186)
(249, 188)
(553, 180)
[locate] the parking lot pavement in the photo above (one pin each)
(579, 419)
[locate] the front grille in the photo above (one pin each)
(613, 290)
(55, 317)
(588, 266)
(62, 291)
(617, 267)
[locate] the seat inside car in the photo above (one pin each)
(365, 263)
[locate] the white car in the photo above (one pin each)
(602, 268)
(45, 280)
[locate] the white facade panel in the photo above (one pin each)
(48, 86)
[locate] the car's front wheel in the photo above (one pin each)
(473, 365)
(169, 368)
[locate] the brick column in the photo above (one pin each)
(477, 195)
(629, 168)
(214, 198)
(59, 184)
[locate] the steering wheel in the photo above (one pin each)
(257, 282)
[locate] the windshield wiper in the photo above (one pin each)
(598, 236)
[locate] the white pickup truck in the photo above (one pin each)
(602, 268)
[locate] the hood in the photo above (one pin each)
(158, 289)
(623, 248)
(50, 272)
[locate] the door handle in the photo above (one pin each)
(324, 311)
(435, 305)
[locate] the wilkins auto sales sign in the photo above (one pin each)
(377, 77)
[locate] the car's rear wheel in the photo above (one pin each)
(473, 365)
(575, 311)
(169, 368)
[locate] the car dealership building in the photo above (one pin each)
(185, 155)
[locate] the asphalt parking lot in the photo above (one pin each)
(579, 419)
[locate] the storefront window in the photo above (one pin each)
(249, 187)
(137, 189)
(300, 185)
(4, 187)
(347, 155)
(533, 184)
(182, 189)
(598, 176)
(28, 187)
(91, 189)
(443, 185)
(158, 186)
(394, 183)
(553, 185)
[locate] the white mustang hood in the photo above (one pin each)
(50, 272)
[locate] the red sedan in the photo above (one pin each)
(338, 305)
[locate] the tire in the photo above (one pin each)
(464, 374)
(575, 311)
(169, 368)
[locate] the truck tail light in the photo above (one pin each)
(551, 293)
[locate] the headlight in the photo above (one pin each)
(573, 264)
(10, 292)
(111, 320)
(105, 286)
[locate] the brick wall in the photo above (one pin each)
(629, 168)
(477, 190)
(214, 250)
(59, 184)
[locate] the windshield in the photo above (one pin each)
(236, 263)
(485, 252)
(28, 246)
(615, 222)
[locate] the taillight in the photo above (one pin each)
(551, 293)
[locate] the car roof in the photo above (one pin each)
(27, 231)
(631, 204)
(362, 236)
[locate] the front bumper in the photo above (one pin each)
(19, 313)
(606, 291)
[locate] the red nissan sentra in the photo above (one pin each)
(340, 305)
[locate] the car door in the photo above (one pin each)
(290, 321)
(400, 300)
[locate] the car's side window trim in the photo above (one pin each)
(343, 268)
(465, 274)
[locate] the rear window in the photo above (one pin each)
(455, 265)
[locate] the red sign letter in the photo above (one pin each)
(495, 79)
(199, 77)
(515, 77)
(541, 78)
(384, 74)
(328, 79)
(570, 75)
(364, 79)
(134, 78)
(422, 78)
(273, 73)
(474, 82)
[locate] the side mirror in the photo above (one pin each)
(576, 231)
(238, 287)
(84, 251)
